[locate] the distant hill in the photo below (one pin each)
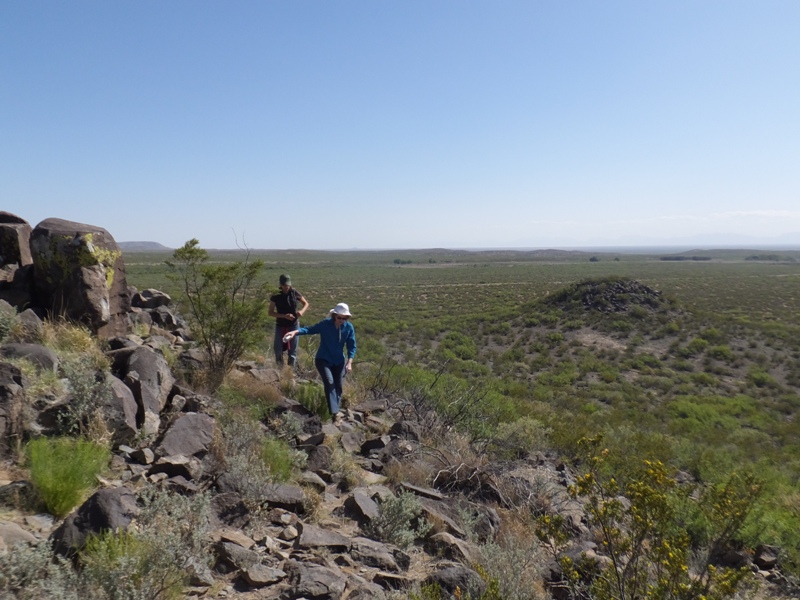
(142, 247)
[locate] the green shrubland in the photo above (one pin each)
(701, 377)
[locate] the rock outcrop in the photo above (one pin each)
(79, 273)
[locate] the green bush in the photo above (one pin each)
(693, 348)
(399, 520)
(312, 396)
(124, 565)
(279, 458)
(761, 379)
(64, 471)
(722, 352)
(458, 345)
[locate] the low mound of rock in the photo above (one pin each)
(610, 295)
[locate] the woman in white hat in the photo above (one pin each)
(336, 334)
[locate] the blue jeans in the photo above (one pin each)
(277, 344)
(332, 376)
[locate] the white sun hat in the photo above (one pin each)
(340, 309)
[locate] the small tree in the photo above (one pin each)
(227, 310)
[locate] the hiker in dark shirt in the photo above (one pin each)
(287, 307)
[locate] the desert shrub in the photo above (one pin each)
(761, 379)
(32, 573)
(227, 310)
(287, 425)
(248, 475)
(693, 348)
(89, 390)
(280, 458)
(722, 352)
(370, 350)
(680, 364)
(712, 335)
(399, 521)
(719, 513)
(608, 374)
(645, 360)
(154, 559)
(42, 386)
(312, 396)
(250, 458)
(124, 565)
(439, 401)
(458, 345)
(621, 325)
(563, 375)
(8, 318)
(515, 563)
(64, 470)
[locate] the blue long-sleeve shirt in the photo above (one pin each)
(332, 341)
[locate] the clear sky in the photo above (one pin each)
(404, 124)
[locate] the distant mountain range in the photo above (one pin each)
(142, 247)
(628, 245)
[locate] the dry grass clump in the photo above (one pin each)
(244, 392)
(343, 463)
(456, 463)
(66, 337)
(412, 471)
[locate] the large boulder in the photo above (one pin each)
(149, 377)
(109, 509)
(150, 298)
(79, 274)
(120, 412)
(455, 576)
(315, 581)
(15, 235)
(190, 435)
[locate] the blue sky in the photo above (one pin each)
(406, 124)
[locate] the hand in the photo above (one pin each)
(289, 316)
(348, 366)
